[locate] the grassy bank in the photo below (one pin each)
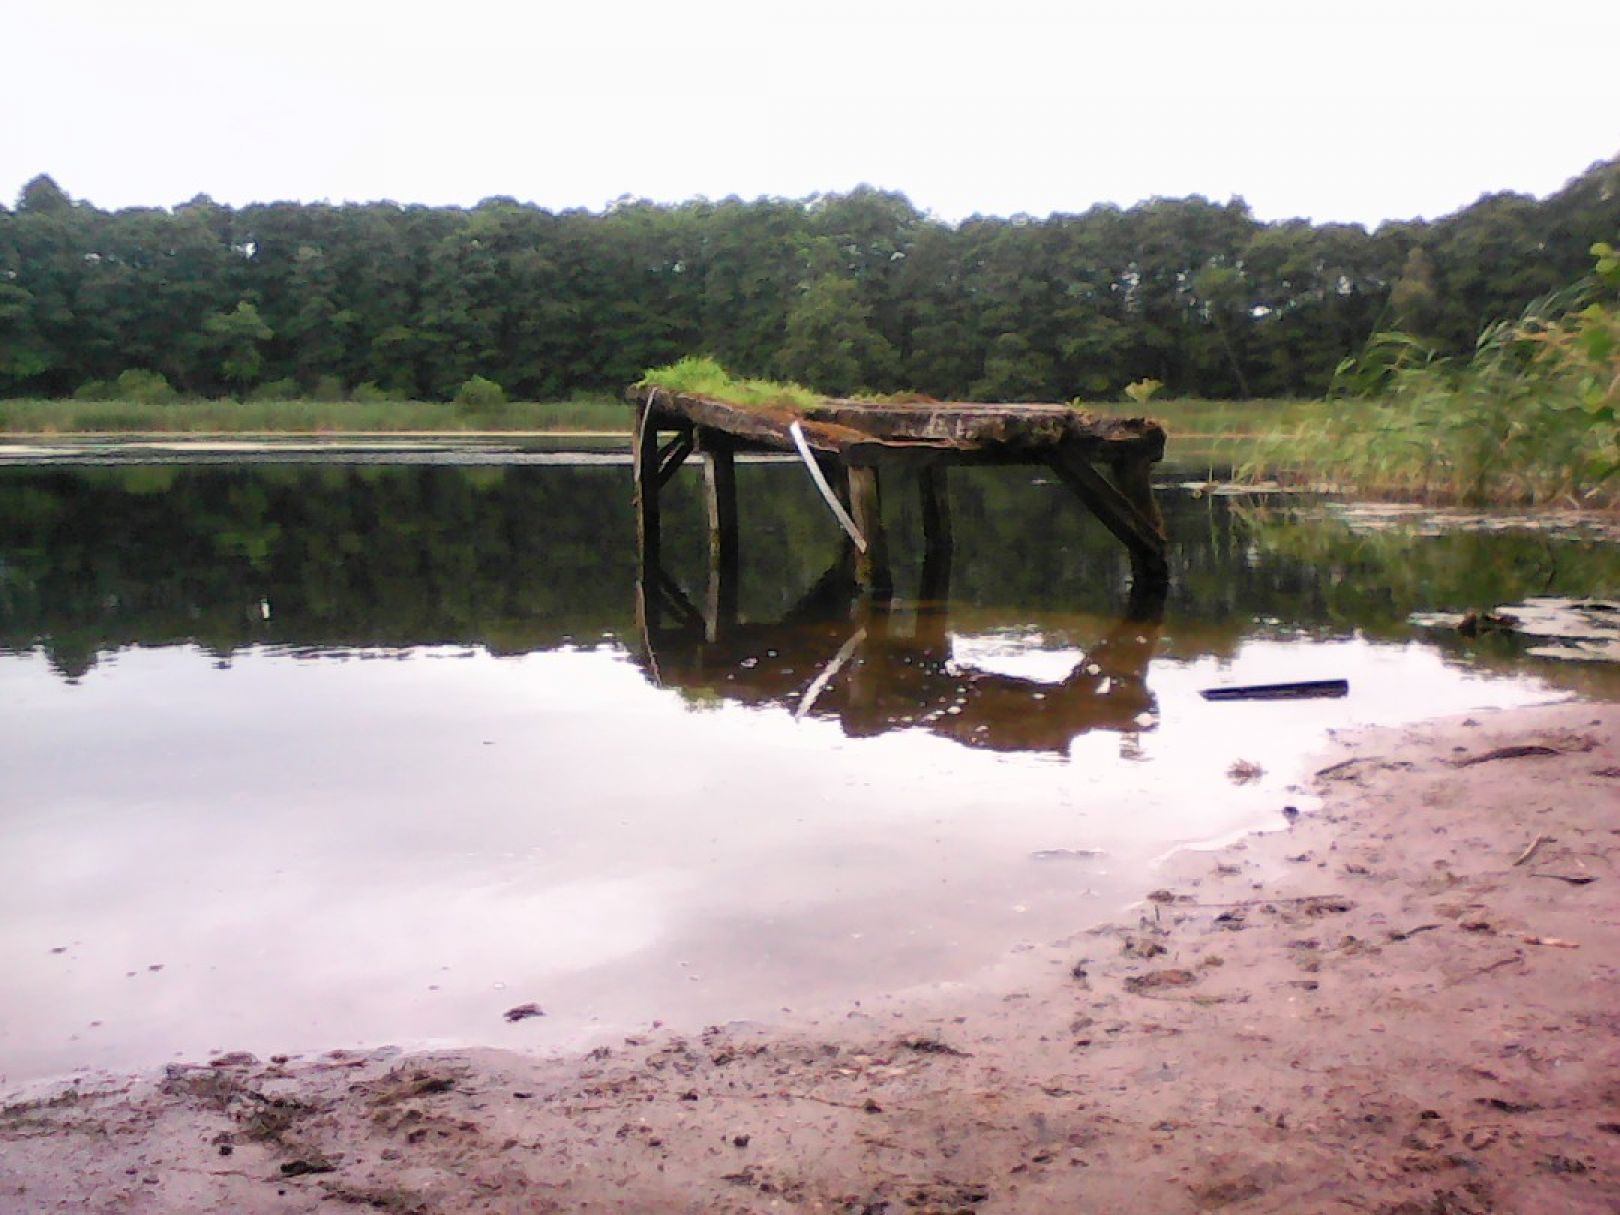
(41, 417)
(1233, 425)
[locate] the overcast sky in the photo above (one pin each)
(1329, 110)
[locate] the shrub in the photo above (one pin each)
(276, 390)
(328, 388)
(370, 394)
(1142, 390)
(478, 393)
(144, 387)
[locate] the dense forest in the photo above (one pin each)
(840, 292)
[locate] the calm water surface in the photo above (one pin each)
(297, 757)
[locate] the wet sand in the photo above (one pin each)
(1405, 1001)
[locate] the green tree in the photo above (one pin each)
(830, 344)
(1014, 372)
(1415, 298)
(42, 196)
(236, 337)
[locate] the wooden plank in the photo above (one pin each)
(825, 489)
(765, 425)
(1115, 511)
(866, 507)
(1037, 425)
(917, 453)
(1307, 689)
(875, 432)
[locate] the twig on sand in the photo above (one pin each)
(1485, 970)
(1293, 898)
(1412, 932)
(1519, 751)
(1571, 878)
(1531, 850)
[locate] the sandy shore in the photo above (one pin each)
(1404, 1002)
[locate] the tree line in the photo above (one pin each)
(841, 292)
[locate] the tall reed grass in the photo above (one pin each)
(1529, 418)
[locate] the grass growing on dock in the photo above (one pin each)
(298, 416)
(701, 376)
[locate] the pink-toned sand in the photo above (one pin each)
(1406, 1002)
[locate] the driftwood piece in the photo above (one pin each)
(1531, 850)
(1518, 751)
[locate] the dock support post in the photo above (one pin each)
(866, 508)
(1150, 572)
(933, 484)
(1135, 481)
(935, 587)
(644, 461)
(644, 444)
(720, 491)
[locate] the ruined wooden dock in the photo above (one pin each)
(846, 445)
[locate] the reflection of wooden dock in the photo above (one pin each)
(846, 444)
(848, 658)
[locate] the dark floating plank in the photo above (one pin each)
(1308, 689)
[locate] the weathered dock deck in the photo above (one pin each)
(845, 445)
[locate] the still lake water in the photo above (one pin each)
(305, 756)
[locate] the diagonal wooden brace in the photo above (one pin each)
(672, 455)
(1132, 526)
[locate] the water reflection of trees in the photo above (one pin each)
(524, 558)
(1372, 578)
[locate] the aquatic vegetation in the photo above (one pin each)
(1373, 570)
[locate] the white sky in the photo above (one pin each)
(1331, 110)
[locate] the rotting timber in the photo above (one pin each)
(846, 445)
